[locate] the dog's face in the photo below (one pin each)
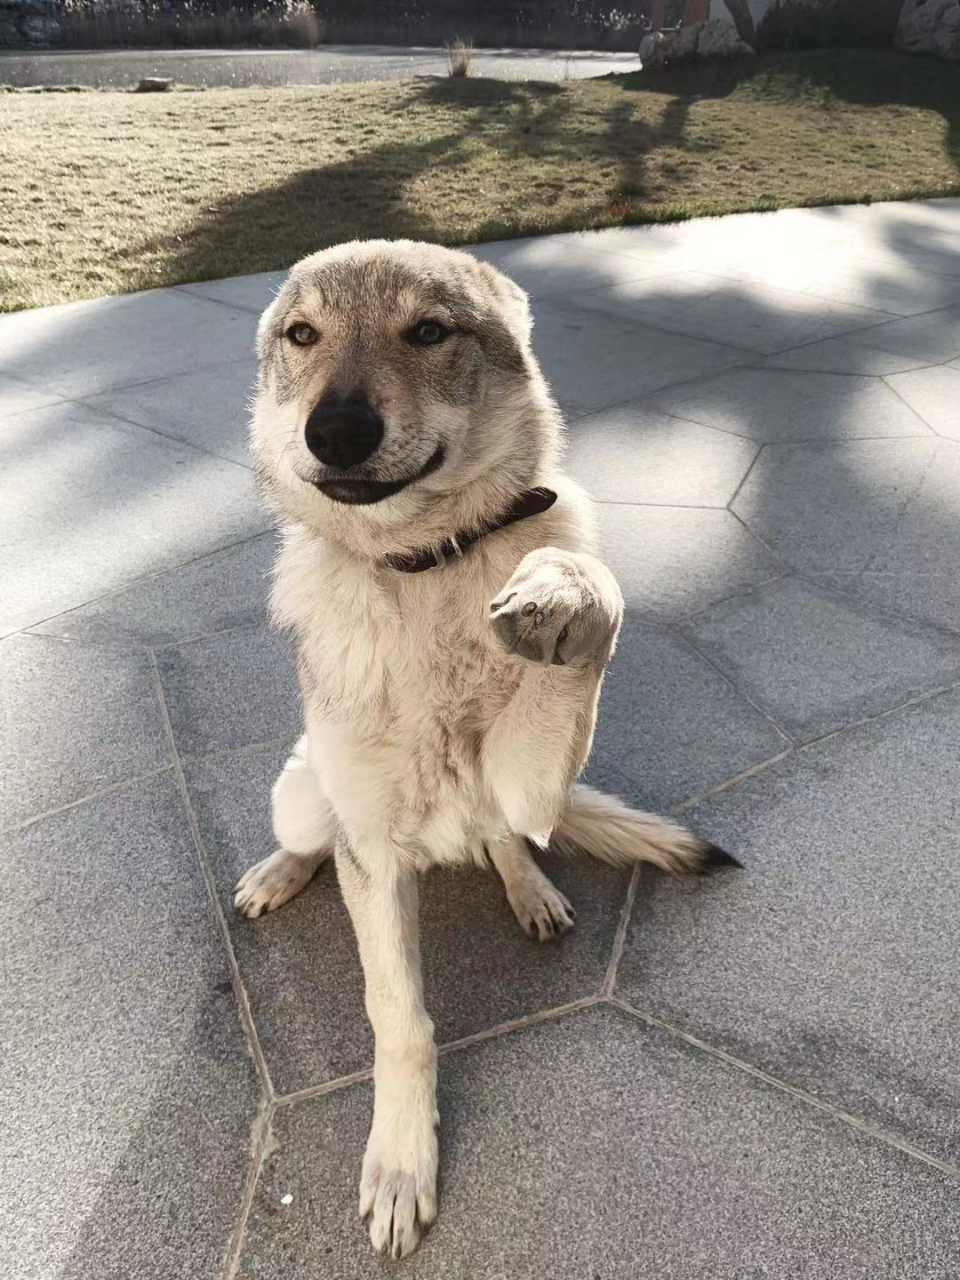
(382, 366)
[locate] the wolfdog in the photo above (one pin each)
(452, 626)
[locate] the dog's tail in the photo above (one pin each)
(606, 828)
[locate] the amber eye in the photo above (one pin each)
(302, 335)
(428, 333)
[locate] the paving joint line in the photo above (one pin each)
(677, 629)
(164, 435)
(30, 627)
(784, 1086)
(746, 475)
(261, 1144)
(495, 1032)
(683, 806)
(240, 991)
(620, 937)
(885, 379)
(92, 795)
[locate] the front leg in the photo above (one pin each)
(399, 1178)
(561, 611)
(559, 607)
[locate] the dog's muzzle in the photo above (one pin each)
(342, 434)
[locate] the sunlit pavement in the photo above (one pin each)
(755, 1076)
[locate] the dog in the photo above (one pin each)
(452, 626)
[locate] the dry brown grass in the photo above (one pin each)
(459, 58)
(108, 192)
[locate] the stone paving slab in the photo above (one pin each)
(208, 409)
(300, 964)
(814, 661)
(230, 689)
(594, 361)
(86, 348)
(672, 562)
(127, 1095)
(629, 454)
(784, 524)
(77, 719)
(136, 504)
(779, 405)
(826, 507)
(595, 1146)
(830, 961)
(212, 594)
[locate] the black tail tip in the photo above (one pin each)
(715, 858)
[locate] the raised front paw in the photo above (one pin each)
(559, 607)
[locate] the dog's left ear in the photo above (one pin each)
(512, 299)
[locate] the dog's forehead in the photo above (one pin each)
(381, 285)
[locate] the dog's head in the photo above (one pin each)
(392, 374)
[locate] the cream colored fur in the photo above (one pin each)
(428, 738)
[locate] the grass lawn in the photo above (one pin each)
(109, 192)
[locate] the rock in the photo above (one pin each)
(153, 84)
(930, 26)
(718, 39)
(713, 39)
(684, 42)
(650, 47)
(27, 22)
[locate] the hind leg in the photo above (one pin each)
(304, 826)
(542, 910)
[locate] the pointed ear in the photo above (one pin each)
(514, 303)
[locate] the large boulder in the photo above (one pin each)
(713, 39)
(930, 26)
(719, 39)
(27, 22)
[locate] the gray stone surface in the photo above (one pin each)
(935, 395)
(17, 397)
(933, 337)
(782, 405)
(300, 965)
(591, 360)
(127, 1091)
(85, 348)
(596, 1147)
(89, 504)
(209, 409)
(739, 313)
(844, 355)
(831, 961)
(920, 597)
(671, 725)
(215, 593)
(930, 28)
(673, 561)
(76, 719)
(829, 506)
(230, 690)
(815, 661)
(629, 454)
(556, 267)
(826, 592)
(246, 293)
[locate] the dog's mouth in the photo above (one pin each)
(364, 492)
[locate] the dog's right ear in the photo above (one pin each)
(513, 301)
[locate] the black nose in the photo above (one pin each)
(343, 434)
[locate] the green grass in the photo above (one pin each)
(109, 192)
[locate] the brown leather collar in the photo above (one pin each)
(532, 503)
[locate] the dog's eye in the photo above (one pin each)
(428, 333)
(302, 335)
